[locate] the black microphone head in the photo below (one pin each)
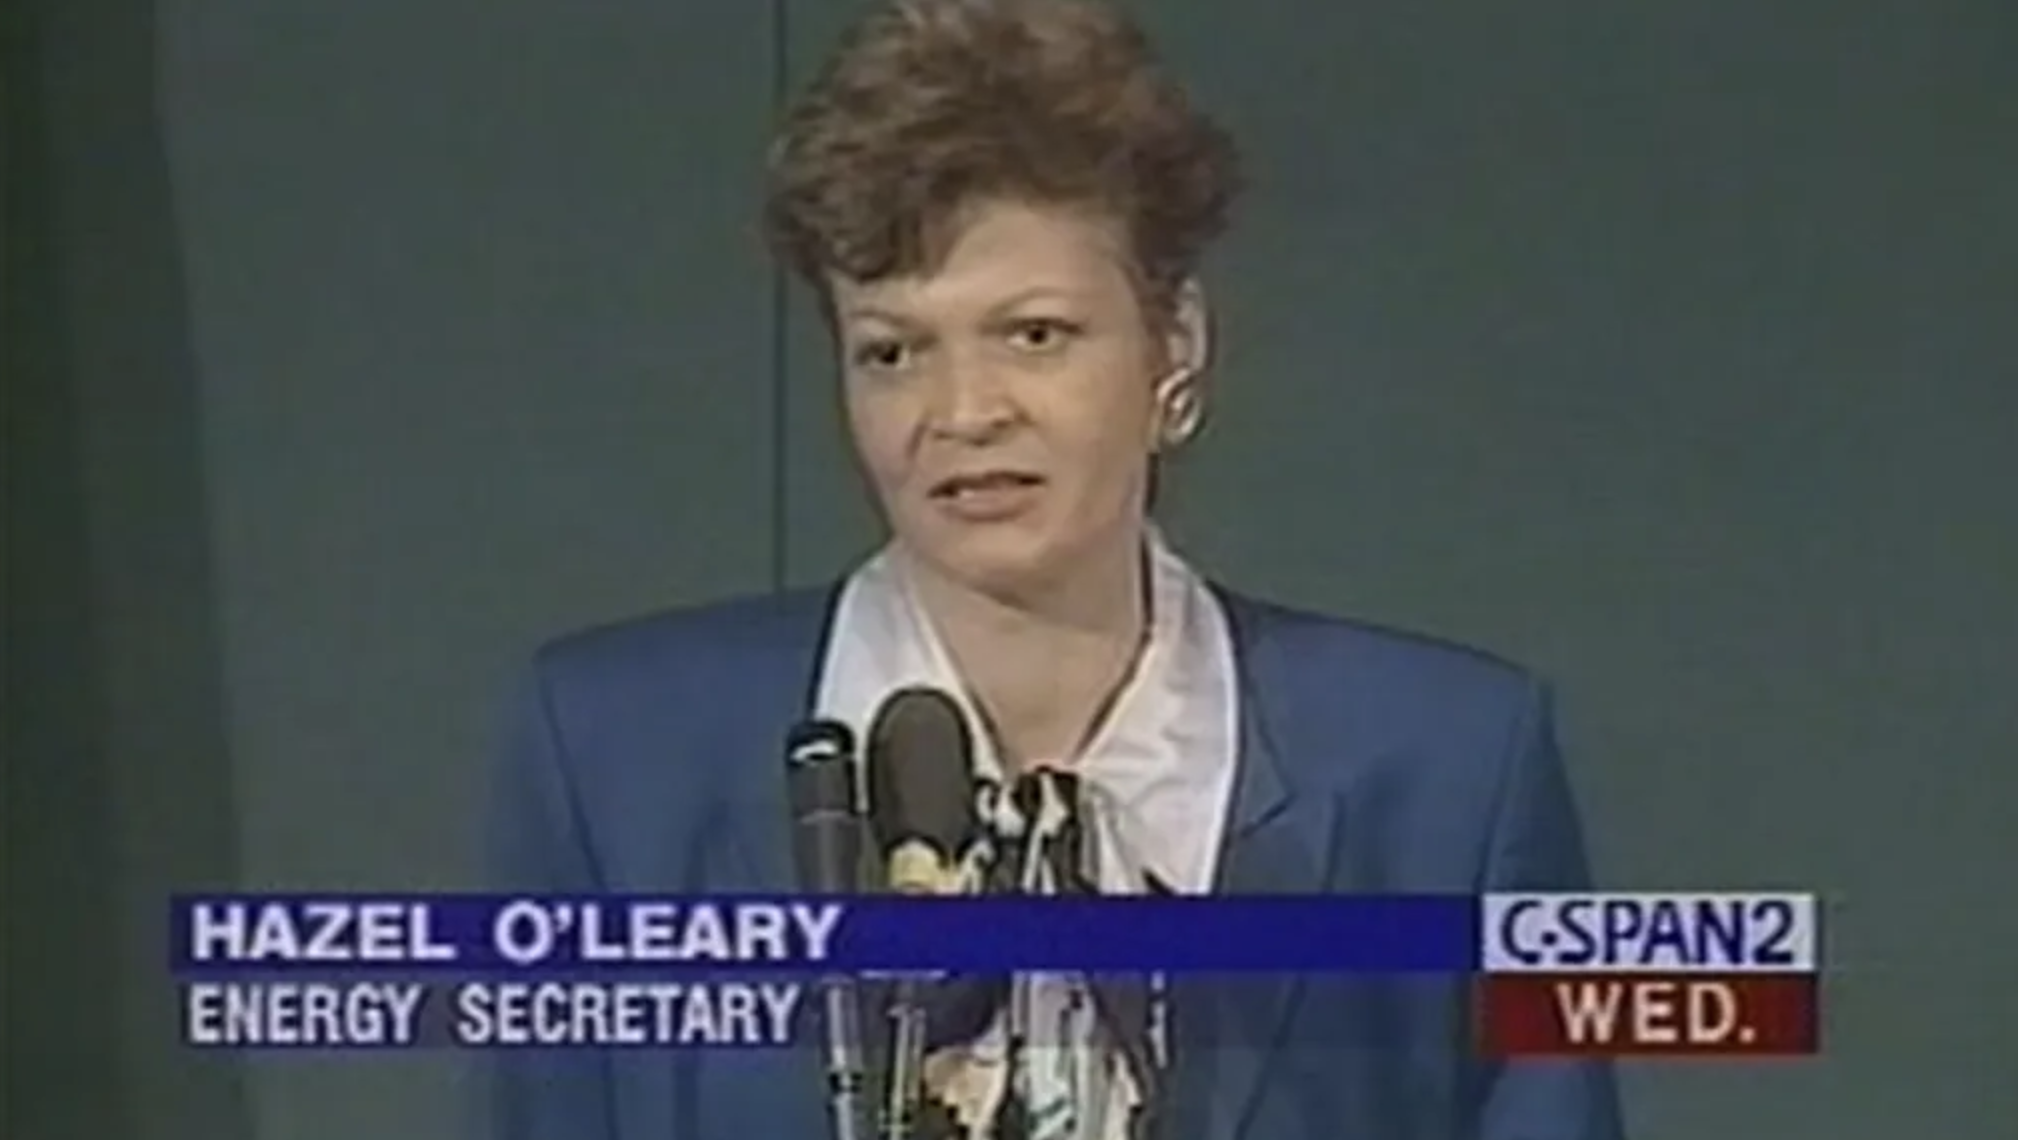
(815, 740)
(820, 783)
(820, 769)
(921, 773)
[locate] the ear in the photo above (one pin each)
(1187, 332)
(1187, 348)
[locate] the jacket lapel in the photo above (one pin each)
(1280, 839)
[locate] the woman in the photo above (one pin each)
(1002, 206)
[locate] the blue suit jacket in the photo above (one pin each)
(648, 757)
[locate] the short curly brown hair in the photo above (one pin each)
(931, 105)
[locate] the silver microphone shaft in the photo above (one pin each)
(907, 1062)
(846, 1071)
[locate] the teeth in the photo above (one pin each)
(987, 482)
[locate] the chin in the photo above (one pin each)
(1001, 567)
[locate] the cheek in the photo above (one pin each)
(1118, 432)
(1104, 442)
(881, 436)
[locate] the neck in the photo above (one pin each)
(1103, 598)
(1044, 665)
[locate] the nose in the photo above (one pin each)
(970, 402)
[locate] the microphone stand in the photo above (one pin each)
(910, 1031)
(847, 1073)
(906, 1077)
(828, 843)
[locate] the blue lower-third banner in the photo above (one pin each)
(241, 936)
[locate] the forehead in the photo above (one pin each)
(999, 253)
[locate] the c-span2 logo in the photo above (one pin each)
(1631, 974)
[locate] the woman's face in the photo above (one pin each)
(1005, 406)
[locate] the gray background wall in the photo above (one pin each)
(351, 349)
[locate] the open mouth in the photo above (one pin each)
(983, 482)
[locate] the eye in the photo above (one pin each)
(881, 354)
(1041, 334)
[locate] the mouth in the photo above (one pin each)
(983, 482)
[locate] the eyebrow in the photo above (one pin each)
(1039, 292)
(1024, 296)
(873, 313)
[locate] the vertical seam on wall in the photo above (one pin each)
(779, 341)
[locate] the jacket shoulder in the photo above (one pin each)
(655, 726)
(1425, 733)
(1384, 661)
(701, 675)
(683, 638)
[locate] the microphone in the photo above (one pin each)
(827, 840)
(921, 809)
(921, 792)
